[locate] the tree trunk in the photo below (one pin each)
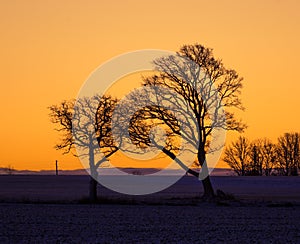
(209, 193)
(94, 176)
(207, 186)
(93, 190)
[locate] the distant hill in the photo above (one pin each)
(5, 171)
(108, 171)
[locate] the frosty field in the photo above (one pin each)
(45, 209)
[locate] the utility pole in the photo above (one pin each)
(56, 167)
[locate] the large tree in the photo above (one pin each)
(79, 125)
(202, 88)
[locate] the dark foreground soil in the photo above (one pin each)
(50, 209)
(75, 223)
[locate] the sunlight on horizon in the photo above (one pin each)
(48, 50)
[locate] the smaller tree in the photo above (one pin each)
(92, 119)
(237, 155)
(288, 152)
(256, 159)
(269, 156)
(61, 115)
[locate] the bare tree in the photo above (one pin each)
(237, 155)
(62, 116)
(97, 110)
(262, 157)
(268, 151)
(203, 87)
(289, 153)
(256, 159)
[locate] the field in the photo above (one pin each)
(52, 209)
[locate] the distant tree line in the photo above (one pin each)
(263, 157)
(9, 170)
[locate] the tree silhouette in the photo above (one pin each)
(289, 153)
(237, 155)
(92, 119)
(263, 157)
(203, 87)
(256, 158)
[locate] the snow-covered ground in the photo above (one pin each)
(54, 223)
(62, 188)
(268, 213)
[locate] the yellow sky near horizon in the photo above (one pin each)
(49, 48)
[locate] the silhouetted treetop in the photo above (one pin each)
(200, 92)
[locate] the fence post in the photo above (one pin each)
(56, 167)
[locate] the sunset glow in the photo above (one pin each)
(49, 48)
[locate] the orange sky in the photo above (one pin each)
(49, 48)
